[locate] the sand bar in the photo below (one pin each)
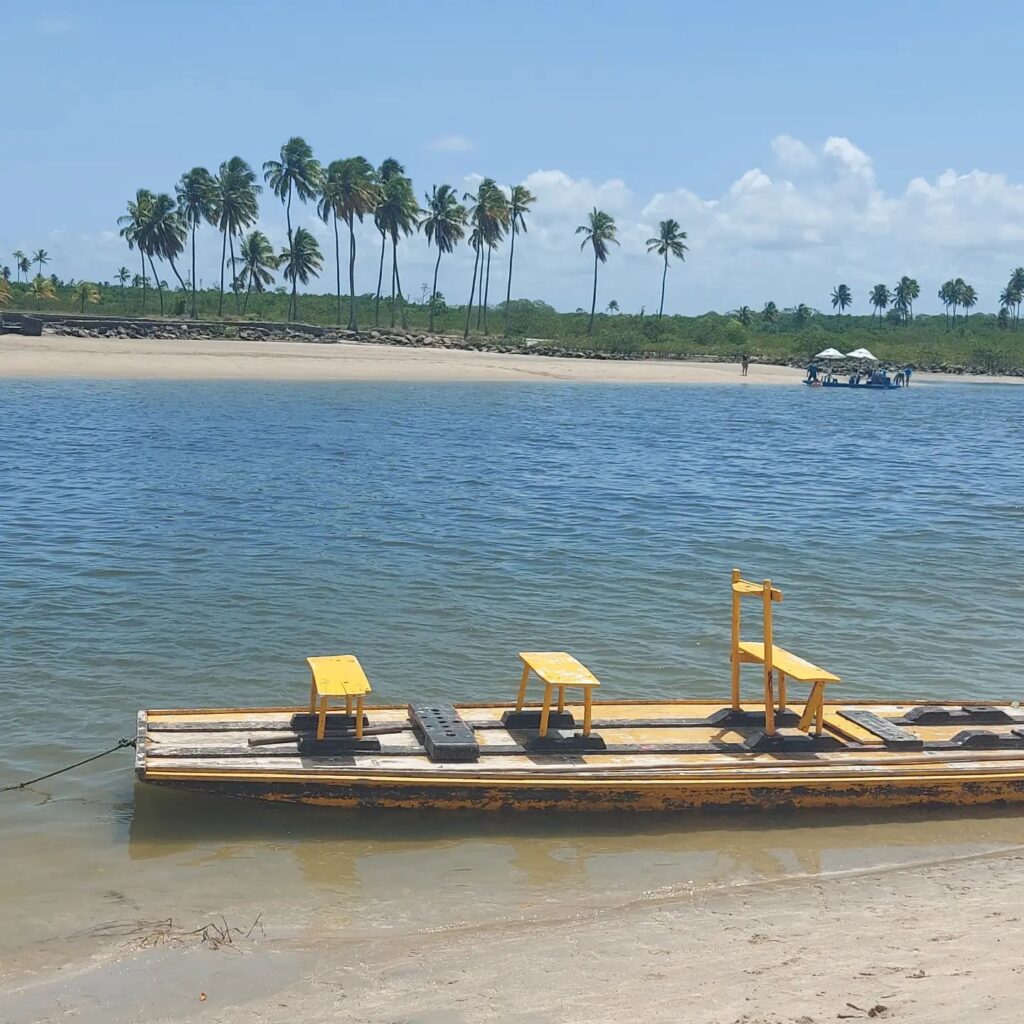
(55, 356)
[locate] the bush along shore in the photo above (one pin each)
(212, 330)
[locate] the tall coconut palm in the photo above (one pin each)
(258, 260)
(299, 262)
(745, 315)
(349, 192)
(769, 313)
(968, 298)
(1017, 284)
(235, 208)
(40, 256)
(598, 232)
(947, 295)
(389, 168)
(493, 225)
(122, 277)
(398, 214)
(906, 290)
(164, 237)
(296, 172)
(802, 315)
(670, 241)
(841, 298)
(196, 192)
(19, 259)
(880, 298)
(133, 229)
(1009, 299)
(485, 215)
(86, 292)
(519, 203)
(444, 224)
(25, 265)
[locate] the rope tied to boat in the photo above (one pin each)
(123, 742)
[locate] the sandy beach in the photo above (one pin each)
(58, 356)
(929, 943)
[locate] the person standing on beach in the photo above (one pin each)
(906, 376)
(744, 365)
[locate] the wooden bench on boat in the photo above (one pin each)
(561, 670)
(337, 675)
(778, 663)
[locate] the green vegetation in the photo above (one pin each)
(265, 285)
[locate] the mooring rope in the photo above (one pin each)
(121, 744)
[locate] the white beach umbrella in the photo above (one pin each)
(861, 353)
(830, 353)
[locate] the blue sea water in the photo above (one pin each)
(167, 544)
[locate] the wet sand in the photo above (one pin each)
(933, 943)
(53, 356)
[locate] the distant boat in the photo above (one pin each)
(890, 386)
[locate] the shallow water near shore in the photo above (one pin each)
(169, 544)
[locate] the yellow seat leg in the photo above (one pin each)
(521, 699)
(359, 717)
(586, 710)
(782, 691)
(321, 725)
(769, 705)
(545, 713)
(812, 707)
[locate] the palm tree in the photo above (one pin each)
(597, 232)
(494, 221)
(444, 224)
(41, 289)
(519, 203)
(349, 191)
(390, 168)
(397, 214)
(123, 276)
(235, 208)
(19, 259)
(164, 237)
(947, 293)
(301, 261)
(770, 313)
(841, 298)
(802, 315)
(906, 290)
(1017, 284)
(297, 171)
(613, 306)
(1009, 299)
(1003, 319)
(968, 298)
(25, 265)
(745, 315)
(133, 229)
(86, 292)
(487, 215)
(40, 256)
(669, 242)
(258, 260)
(880, 298)
(196, 194)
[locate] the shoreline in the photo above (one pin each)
(68, 357)
(919, 942)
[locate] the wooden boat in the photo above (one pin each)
(631, 755)
(890, 386)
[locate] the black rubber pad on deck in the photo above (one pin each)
(891, 735)
(529, 718)
(442, 731)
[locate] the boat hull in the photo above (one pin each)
(674, 756)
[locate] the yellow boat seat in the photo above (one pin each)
(337, 675)
(556, 669)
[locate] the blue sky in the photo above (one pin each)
(803, 143)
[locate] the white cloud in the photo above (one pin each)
(450, 144)
(792, 154)
(819, 218)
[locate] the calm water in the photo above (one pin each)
(172, 543)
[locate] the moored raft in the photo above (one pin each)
(596, 755)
